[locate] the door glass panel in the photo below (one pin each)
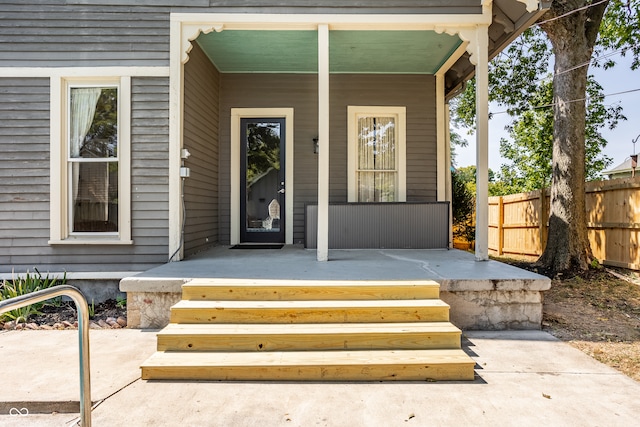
(262, 177)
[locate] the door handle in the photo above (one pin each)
(281, 191)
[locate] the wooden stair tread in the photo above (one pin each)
(234, 289)
(307, 328)
(304, 336)
(320, 304)
(358, 365)
(301, 358)
(352, 311)
(308, 283)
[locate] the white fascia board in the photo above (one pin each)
(84, 71)
(372, 22)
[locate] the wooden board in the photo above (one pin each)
(278, 337)
(429, 310)
(235, 289)
(405, 365)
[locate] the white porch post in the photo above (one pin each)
(441, 138)
(323, 142)
(176, 85)
(482, 144)
(448, 185)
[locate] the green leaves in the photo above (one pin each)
(620, 30)
(463, 208)
(530, 147)
(23, 286)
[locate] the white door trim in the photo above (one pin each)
(236, 115)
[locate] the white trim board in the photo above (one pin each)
(84, 71)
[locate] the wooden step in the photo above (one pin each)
(273, 290)
(362, 365)
(296, 337)
(363, 311)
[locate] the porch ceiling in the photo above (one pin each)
(366, 52)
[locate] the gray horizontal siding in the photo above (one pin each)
(296, 91)
(52, 33)
(24, 178)
(201, 96)
(417, 93)
(56, 33)
(24, 168)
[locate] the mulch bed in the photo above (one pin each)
(107, 315)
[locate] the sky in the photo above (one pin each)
(619, 140)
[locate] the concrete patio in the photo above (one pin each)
(483, 295)
(524, 378)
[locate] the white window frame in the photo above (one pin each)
(60, 231)
(400, 115)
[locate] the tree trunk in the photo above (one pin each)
(572, 38)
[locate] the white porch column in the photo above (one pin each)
(448, 189)
(323, 143)
(441, 126)
(482, 143)
(176, 90)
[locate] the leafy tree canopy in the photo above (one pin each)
(572, 30)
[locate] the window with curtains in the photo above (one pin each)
(377, 154)
(93, 159)
(90, 160)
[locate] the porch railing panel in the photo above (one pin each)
(411, 225)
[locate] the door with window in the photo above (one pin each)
(262, 180)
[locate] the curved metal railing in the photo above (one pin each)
(83, 335)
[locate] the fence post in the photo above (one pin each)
(500, 225)
(542, 221)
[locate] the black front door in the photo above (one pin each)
(262, 163)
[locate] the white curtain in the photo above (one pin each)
(82, 109)
(376, 159)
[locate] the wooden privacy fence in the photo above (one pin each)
(518, 223)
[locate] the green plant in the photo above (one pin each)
(92, 309)
(121, 302)
(463, 209)
(18, 286)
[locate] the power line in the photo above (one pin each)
(571, 101)
(571, 12)
(607, 55)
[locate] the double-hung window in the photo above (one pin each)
(376, 154)
(90, 161)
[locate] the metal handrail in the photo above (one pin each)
(83, 335)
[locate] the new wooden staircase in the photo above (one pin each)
(232, 329)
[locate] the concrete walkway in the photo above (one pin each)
(523, 378)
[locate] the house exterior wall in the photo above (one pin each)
(299, 92)
(43, 36)
(24, 193)
(201, 95)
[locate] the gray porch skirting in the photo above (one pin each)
(410, 225)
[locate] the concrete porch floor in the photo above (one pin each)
(482, 295)
(296, 262)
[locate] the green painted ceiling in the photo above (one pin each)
(390, 52)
